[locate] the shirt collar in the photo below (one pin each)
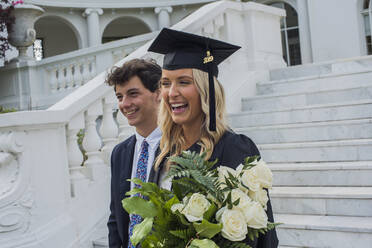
(153, 139)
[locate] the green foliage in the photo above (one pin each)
(138, 205)
(203, 243)
(206, 229)
(5, 110)
(141, 230)
(195, 175)
(227, 243)
(248, 162)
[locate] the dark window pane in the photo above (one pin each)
(284, 47)
(294, 47)
(369, 45)
(366, 4)
(292, 19)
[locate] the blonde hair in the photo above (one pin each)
(173, 137)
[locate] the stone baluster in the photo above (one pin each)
(86, 72)
(208, 29)
(69, 77)
(93, 67)
(78, 77)
(118, 55)
(61, 78)
(53, 79)
(92, 143)
(163, 16)
(124, 129)
(79, 182)
(219, 22)
(109, 129)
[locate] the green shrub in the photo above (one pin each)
(4, 110)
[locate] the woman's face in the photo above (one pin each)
(182, 98)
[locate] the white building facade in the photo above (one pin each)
(300, 87)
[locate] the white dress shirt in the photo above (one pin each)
(153, 140)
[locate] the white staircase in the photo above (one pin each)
(313, 124)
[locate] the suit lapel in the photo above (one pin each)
(127, 166)
(154, 174)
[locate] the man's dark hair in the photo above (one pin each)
(148, 71)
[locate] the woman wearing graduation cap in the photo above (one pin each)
(192, 110)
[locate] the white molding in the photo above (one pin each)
(115, 3)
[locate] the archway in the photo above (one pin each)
(53, 37)
(124, 27)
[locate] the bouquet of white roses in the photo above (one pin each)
(207, 207)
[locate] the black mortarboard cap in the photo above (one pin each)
(185, 50)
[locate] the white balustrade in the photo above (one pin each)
(109, 129)
(208, 29)
(56, 76)
(92, 143)
(79, 182)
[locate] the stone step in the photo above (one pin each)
(324, 231)
(323, 151)
(315, 113)
(316, 83)
(340, 201)
(306, 98)
(356, 173)
(313, 131)
(323, 68)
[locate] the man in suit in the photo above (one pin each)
(136, 85)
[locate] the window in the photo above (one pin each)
(367, 17)
(38, 49)
(290, 34)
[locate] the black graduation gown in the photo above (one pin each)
(231, 150)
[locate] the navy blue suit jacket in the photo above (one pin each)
(121, 170)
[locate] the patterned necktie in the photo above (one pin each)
(141, 173)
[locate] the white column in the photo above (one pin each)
(163, 16)
(94, 36)
(304, 30)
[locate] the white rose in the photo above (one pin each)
(234, 227)
(223, 171)
(259, 196)
(244, 199)
(196, 207)
(177, 206)
(250, 179)
(255, 216)
(264, 174)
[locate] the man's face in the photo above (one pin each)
(138, 104)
